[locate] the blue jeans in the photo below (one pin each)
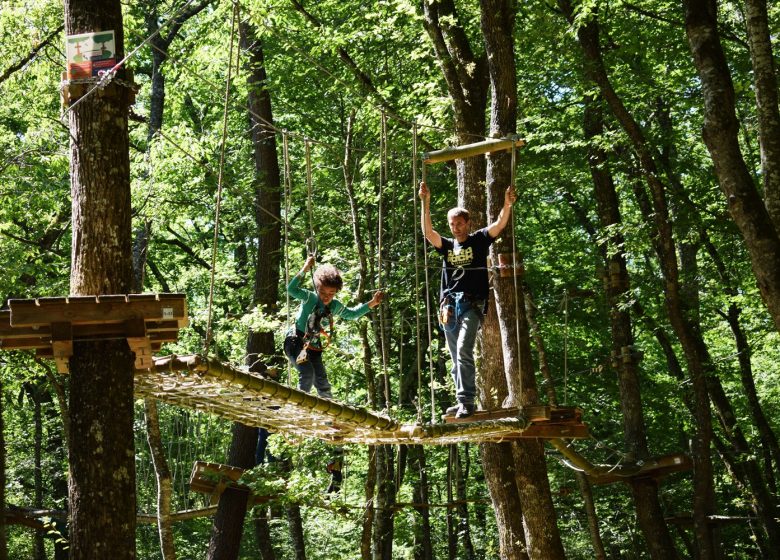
(460, 330)
(312, 371)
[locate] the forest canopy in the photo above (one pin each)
(645, 239)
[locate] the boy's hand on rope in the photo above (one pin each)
(308, 264)
(377, 299)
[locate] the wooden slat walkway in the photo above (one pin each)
(208, 385)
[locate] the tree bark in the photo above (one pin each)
(765, 81)
(101, 455)
(720, 133)
(228, 522)
(645, 491)
(541, 531)
(465, 72)
(423, 546)
(698, 360)
(164, 480)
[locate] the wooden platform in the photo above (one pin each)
(213, 478)
(51, 325)
(655, 468)
(542, 421)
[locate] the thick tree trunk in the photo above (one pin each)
(541, 531)
(101, 455)
(228, 526)
(765, 81)
(467, 84)
(645, 492)
(698, 361)
(720, 134)
(229, 520)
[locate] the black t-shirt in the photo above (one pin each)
(464, 268)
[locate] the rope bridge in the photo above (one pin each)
(205, 384)
(50, 326)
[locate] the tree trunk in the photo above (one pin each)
(765, 81)
(295, 524)
(33, 391)
(228, 522)
(3, 525)
(467, 81)
(645, 491)
(101, 457)
(385, 502)
(720, 134)
(164, 480)
(263, 535)
(541, 530)
(423, 547)
(698, 361)
(590, 512)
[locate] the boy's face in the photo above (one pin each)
(327, 294)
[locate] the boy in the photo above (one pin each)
(314, 321)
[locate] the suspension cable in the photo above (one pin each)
(287, 202)
(514, 274)
(428, 313)
(416, 272)
(380, 248)
(220, 178)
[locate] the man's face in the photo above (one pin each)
(326, 294)
(459, 228)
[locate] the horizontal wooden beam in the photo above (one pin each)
(85, 310)
(489, 146)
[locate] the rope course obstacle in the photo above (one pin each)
(208, 385)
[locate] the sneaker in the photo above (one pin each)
(452, 410)
(465, 410)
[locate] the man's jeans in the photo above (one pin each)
(460, 330)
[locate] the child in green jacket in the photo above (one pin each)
(314, 322)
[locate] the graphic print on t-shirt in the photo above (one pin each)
(460, 256)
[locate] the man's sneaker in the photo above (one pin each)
(451, 411)
(465, 410)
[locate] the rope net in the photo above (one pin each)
(208, 385)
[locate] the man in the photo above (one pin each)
(464, 288)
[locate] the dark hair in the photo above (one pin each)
(458, 212)
(328, 276)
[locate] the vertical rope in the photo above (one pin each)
(380, 240)
(428, 312)
(417, 273)
(209, 332)
(311, 244)
(287, 202)
(514, 273)
(565, 347)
